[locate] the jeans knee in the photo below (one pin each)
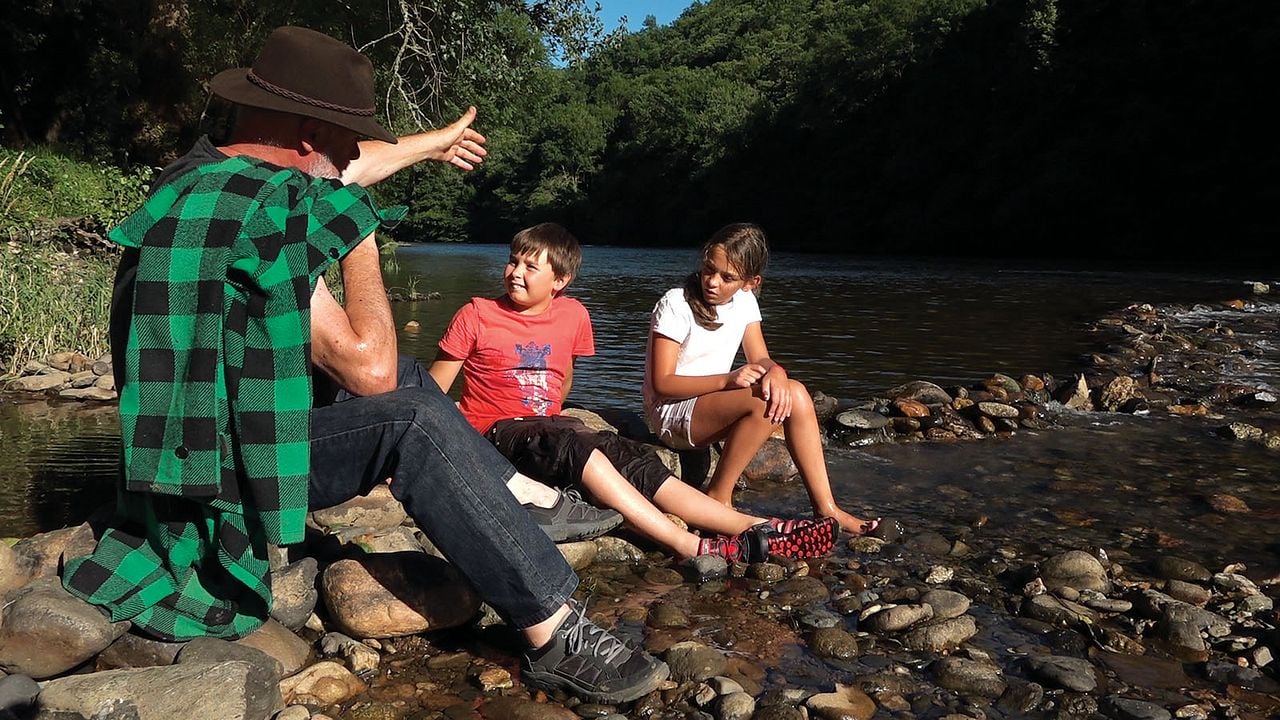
(420, 399)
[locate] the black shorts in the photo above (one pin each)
(556, 449)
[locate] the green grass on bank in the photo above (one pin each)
(51, 300)
(41, 188)
(55, 268)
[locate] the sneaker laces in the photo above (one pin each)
(790, 524)
(584, 631)
(578, 508)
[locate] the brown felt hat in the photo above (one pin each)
(307, 73)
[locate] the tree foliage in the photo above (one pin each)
(1021, 127)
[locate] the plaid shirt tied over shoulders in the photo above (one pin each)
(216, 395)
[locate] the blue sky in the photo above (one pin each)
(635, 10)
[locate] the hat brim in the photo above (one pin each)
(234, 85)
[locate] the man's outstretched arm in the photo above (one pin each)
(356, 344)
(456, 144)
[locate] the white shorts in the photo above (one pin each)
(672, 422)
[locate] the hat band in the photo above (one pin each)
(291, 95)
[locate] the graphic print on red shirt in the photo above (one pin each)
(514, 365)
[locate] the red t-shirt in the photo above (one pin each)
(514, 365)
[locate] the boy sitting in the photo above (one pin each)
(516, 353)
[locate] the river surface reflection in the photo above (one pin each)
(850, 327)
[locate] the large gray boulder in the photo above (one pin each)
(45, 630)
(228, 691)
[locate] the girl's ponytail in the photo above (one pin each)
(704, 313)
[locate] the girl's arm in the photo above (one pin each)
(670, 385)
(774, 386)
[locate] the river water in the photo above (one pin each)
(851, 327)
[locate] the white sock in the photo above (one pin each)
(531, 492)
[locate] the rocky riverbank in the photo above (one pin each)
(911, 623)
(68, 375)
(368, 623)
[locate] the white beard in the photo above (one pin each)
(321, 166)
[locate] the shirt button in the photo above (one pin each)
(182, 452)
(334, 253)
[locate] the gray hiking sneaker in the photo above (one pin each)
(586, 661)
(572, 518)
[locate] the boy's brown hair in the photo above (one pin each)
(563, 251)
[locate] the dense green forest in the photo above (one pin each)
(1063, 128)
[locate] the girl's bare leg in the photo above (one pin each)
(804, 442)
(701, 511)
(736, 416)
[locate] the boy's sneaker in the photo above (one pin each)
(756, 544)
(586, 661)
(572, 518)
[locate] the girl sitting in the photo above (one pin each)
(693, 399)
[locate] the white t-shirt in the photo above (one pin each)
(702, 351)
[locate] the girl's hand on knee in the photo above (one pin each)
(746, 376)
(776, 390)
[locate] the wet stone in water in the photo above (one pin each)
(1075, 569)
(800, 591)
(815, 617)
(846, 703)
(663, 576)
(767, 572)
(969, 677)
(694, 661)
(778, 712)
(667, 615)
(929, 543)
(895, 619)
(862, 420)
(941, 637)
(835, 643)
(1187, 592)
(735, 706)
(946, 604)
(1021, 697)
(1123, 708)
(1064, 672)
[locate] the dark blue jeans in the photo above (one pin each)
(451, 481)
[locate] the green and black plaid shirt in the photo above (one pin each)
(215, 397)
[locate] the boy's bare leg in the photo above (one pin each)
(736, 416)
(611, 489)
(804, 442)
(698, 510)
(531, 492)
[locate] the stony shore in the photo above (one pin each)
(369, 623)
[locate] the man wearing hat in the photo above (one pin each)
(219, 314)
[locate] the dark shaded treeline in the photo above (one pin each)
(1052, 128)
(1024, 127)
